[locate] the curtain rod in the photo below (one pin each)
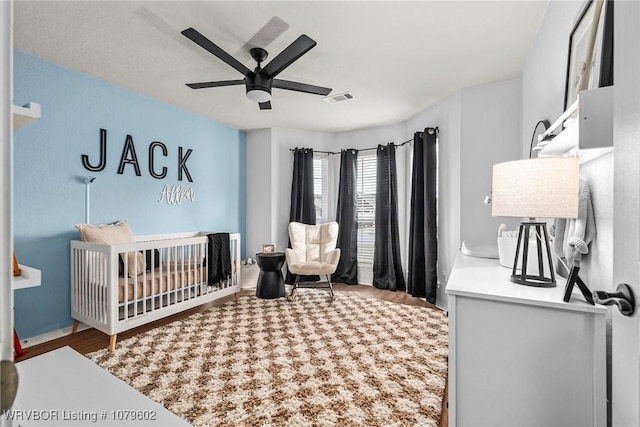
(435, 129)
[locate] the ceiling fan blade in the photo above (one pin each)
(207, 44)
(265, 105)
(155, 21)
(295, 50)
(301, 87)
(215, 84)
(264, 37)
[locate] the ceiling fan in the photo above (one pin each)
(260, 81)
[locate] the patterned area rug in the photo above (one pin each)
(354, 361)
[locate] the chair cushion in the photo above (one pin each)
(312, 268)
(313, 242)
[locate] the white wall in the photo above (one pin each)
(543, 83)
(489, 134)
(545, 69)
(259, 179)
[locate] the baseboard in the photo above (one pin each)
(50, 336)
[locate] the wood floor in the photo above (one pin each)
(92, 340)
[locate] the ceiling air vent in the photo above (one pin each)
(344, 96)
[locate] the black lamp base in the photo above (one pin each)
(539, 281)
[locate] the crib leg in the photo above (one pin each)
(237, 297)
(76, 323)
(112, 342)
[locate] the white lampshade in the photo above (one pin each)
(536, 188)
(258, 95)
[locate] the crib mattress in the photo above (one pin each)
(156, 281)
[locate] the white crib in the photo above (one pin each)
(107, 295)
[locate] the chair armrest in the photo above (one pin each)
(333, 257)
(292, 256)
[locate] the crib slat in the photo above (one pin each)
(125, 290)
(153, 280)
(102, 289)
(86, 289)
(92, 289)
(174, 289)
(180, 270)
(189, 273)
(145, 296)
(134, 274)
(201, 288)
(169, 270)
(85, 285)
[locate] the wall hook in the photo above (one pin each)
(623, 298)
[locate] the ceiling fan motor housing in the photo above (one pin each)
(258, 81)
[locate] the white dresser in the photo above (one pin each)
(519, 355)
(64, 388)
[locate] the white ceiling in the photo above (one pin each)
(396, 58)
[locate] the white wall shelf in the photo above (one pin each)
(29, 277)
(23, 116)
(587, 124)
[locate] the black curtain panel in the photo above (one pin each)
(347, 218)
(302, 204)
(387, 269)
(423, 244)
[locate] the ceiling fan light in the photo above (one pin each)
(258, 95)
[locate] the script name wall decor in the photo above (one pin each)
(129, 156)
(176, 194)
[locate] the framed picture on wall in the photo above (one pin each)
(590, 55)
(604, 49)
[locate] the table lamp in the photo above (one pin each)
(535, 188)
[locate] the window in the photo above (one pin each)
(321, 187)
(366, 200)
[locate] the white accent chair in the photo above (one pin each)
(313, 252)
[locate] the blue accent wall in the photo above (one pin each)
(49, 195)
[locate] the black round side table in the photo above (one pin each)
(270, 281)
